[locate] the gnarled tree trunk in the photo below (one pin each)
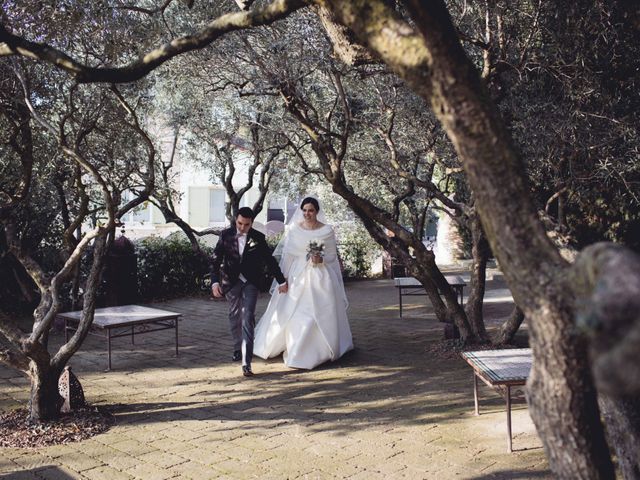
(509, 328)
(561, 393)
(563, 401)
(607, 285)
(480, 252)
(622, 418)
(44, 400)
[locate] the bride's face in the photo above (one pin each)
(309, 212)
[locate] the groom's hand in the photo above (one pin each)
(283, 288)
(216, 290)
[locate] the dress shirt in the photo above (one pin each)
(242, 242)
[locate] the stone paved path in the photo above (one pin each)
(389, 409)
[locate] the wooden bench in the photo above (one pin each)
(501, 370)
(410, 286)
(129, 319)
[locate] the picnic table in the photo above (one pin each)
(500, 370)
(410, 286)
(123, 321)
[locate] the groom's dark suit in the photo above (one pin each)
(227, 264)
(240, 278)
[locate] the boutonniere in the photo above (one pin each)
(251, 243)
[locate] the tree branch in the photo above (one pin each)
(11, 44)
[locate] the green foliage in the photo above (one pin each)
(169, 267)
(357, 252)
(273, 240)
(572, 104)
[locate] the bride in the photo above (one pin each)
(309, 323)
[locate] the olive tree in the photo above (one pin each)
(76, 186)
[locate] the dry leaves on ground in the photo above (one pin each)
(17, 431)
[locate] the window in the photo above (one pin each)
(207, 206)
(217, 198)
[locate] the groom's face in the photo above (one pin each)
(243, 224)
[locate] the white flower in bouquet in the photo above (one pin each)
(315, 248)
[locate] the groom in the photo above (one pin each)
(237, 269)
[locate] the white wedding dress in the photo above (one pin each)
(308, 323)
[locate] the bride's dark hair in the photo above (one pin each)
(312, 201)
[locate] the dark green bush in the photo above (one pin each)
(169, 267)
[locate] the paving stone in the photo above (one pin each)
(9, 454)
(55, 451)
(162, 459)
(7, 465)
(348, 468)
(197, 471)
(368, 475)
(170, 445)
(121, 461)
(146, 471)
(79, 462)
(184, 434)
(147, 435)
(285, 468)
(390, 468)
(31, 459)
(203, 456)
(132, 447)
(106, 473)
(57, 473)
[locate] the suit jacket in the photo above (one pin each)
(227, 265)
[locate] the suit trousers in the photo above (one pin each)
(242, 299)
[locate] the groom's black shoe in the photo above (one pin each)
(246, 371)
(237, 356)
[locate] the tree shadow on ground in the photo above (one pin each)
(512, 474)
(353, 393)
(390, 379)
(49, 471)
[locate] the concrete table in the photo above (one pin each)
(410, 286)
(501, 370)
(110, 322)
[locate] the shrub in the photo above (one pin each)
(169, 267)
(273, 240)
(357, 251)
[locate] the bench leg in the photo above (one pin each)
(176, 327)
(508, 400)
(475, 393)
(400, 300)
(109, 349)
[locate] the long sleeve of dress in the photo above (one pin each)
(331, 249)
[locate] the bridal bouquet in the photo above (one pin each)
(315, 248)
